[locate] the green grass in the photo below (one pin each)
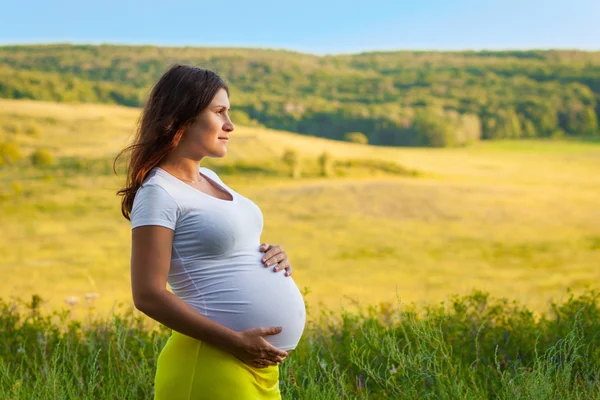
(471, 347)
(515, 218)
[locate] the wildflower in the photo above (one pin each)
(393, 370)
(71, 300)
(91, 296)
(360, 382)
(21, 349)
(90, 299)
(323, 364)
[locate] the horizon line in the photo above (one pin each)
(292, 50)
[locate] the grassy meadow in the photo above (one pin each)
(473, 347)
(515, 218)
(389, 250)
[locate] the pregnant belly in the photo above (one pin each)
(244, 294)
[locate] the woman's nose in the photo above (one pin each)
(228, 127)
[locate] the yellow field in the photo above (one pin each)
(519, 219)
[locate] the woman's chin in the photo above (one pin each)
(220, 153)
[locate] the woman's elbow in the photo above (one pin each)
(144, 300)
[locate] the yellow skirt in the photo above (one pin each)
(188, 369)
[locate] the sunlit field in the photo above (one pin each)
(520, 219)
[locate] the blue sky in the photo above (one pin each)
(319, 27)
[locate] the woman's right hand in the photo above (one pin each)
(251, 347)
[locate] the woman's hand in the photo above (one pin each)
(254, 350)
(275, 256)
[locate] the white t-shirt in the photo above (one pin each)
(216, 263)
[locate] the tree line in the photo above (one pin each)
(408, 98)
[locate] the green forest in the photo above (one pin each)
(404, 98)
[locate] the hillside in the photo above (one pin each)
(396, 99)
(516, 218)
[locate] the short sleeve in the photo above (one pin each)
(152, 205)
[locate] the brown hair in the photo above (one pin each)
(175, 101)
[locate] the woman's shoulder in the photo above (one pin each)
(156, 193)
(157, 187)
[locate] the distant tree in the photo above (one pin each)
(489, 128)
(514, 125)
(471, 124)
(356, 137)
(433, 129)
(238, 117)
(292, 159)
(466, 128)
(591, 122)
(548, 121)
(579, 119)
(528, 129)
(41, 158)
(326, 163)
(9, 153)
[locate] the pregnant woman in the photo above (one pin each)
(235, 312)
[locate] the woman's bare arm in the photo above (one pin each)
(150, 263)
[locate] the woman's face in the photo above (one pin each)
(206, 136)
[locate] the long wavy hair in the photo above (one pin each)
(175, 101)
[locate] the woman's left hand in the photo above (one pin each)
(275, 256)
